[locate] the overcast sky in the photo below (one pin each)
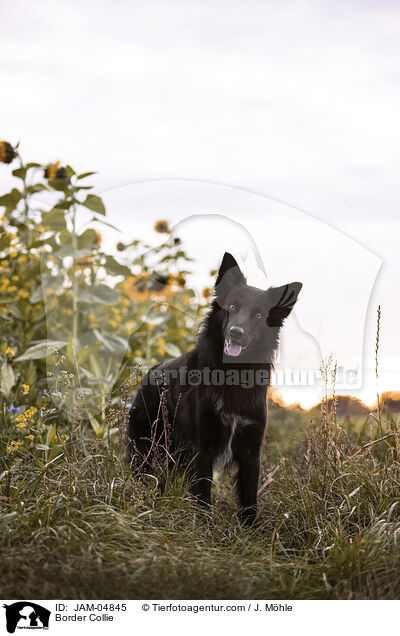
(209, 102)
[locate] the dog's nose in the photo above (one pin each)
(236, 332)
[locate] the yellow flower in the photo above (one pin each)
(161, 351)
(138, 353)
(30, 412)
(9, 352)
(92, 317)
(15, 277)
(13, 253)
(25, 389)
(161, 227)
(5, 310)
(160, 284)
(22, 259)
(151, 325)
(12, 288)
(30, 436)
(21, 425)
(161, 342)
(7, 152)
(113, 323)
(23, 293)
(51, 170)
(3, 219)
(137, 287)
(181, 280)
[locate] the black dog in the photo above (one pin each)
(210, 405)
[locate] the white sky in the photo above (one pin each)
(296, 101)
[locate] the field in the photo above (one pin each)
(77, 327)
(83, 527)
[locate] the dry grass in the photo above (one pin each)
(84, 527)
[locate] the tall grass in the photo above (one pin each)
(82, 525)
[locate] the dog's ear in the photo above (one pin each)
(229, 273)
(283, 301)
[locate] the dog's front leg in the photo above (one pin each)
(247, 448)
(248, 476)
(203, 473)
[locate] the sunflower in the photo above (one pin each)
(53, 171)
(7, 152)
(161, 227)
(160, 284)
(137, 287)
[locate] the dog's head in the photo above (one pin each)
(251, 317)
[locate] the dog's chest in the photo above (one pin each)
(230, 423)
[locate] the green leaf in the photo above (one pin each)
(7, 379)
(94, 203)
(70, 350)
(112, 342)
(65, 237)
(5, 241)
(172, 350)
(11, 199)
(54, 219)
(59, 184)
(85, 352)
(70, 171)
(63, 205)
(41, 350)
(88, 237)
(38, 187)
(98, 294)
(20, 173)
(94, 219)
(98, 428)
(51, 437)
(32, 164)
(113, 267)
(85, 174)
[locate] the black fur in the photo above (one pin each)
(199, 423)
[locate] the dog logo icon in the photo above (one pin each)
(26, 615)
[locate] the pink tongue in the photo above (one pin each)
(233, 349)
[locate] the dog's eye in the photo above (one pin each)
(258, 315)
(232, 307)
